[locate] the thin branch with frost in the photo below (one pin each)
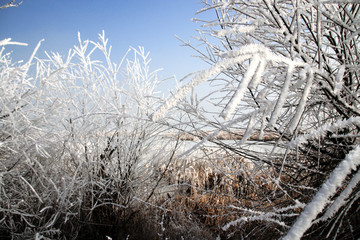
(342, 199)
(282, 97)
(321, 198)
(302, 104)
(324, 129)
(240, 91)
(8, 41)
(262, 216)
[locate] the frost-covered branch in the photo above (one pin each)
(321, 198)
(11, 4)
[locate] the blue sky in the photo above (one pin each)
(152, 24)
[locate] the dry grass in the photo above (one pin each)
(210, 189)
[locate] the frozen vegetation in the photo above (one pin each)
(90, 150)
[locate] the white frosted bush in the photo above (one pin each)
(75, 136)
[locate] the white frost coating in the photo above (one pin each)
(302, 103)
(252, 218)
(236, 30)
(258, 74)
(248, 49)
(321, 131)
(7, 41)
(264, 52)
(284, 92)
(341, 200)
(260, 216)
(239, 94)
(339, 79)
(327, 190)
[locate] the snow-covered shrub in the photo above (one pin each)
(76, 145)
(289, 68)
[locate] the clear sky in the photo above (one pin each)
(152, 24)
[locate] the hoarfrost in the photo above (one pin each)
(321, 131)
(236, 30)
(239, 94)
(302, 103)
(284, 93)
(341, 200)
(327, 190)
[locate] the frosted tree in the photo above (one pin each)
(288, 69)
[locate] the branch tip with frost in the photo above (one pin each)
(11, 4)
